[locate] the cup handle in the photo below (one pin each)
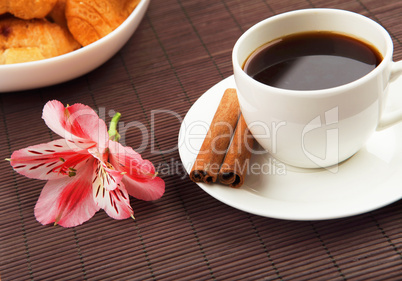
(391, 118)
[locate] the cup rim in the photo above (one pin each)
(327, 91)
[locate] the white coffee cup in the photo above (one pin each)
(317, 128)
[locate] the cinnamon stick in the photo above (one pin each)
(236, 162)
(210, 157)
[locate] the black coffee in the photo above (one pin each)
(312, 61)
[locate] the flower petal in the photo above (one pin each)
(106, 177)
(152, 189)
(140, 176)
(51, 160)
(77, 123)
(105, 174)
(115, 202)
(127, 160)
(67, 201)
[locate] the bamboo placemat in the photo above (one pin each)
(180, 50)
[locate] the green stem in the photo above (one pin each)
(113, 134)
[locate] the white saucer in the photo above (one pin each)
(370, 179)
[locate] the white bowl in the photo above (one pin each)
(31, 75)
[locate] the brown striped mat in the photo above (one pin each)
(181, 49)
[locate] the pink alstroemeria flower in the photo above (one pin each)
(85, 170)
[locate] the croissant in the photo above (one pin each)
(90, 20)
(58, 13)
(27, 9)
(17, 55)
(39, 37)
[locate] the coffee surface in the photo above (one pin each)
(312, 61)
